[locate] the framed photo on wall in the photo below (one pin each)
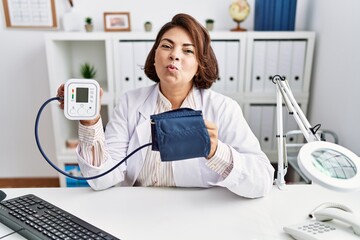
(117, 21)
(30, 14)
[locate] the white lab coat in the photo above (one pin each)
(129, 128)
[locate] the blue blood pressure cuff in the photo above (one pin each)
(180, 134)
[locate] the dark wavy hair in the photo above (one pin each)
(208, 70)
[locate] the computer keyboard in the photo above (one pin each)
(35, 218)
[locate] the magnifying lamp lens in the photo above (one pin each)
(333, 163)
(330, 165)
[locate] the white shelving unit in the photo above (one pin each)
(65, 53)
(288, 54)
(246, 61)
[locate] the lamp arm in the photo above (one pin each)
(284, 93)
(290, 101)
(281, 141)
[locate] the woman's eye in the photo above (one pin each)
(165, 46)
(188, 51)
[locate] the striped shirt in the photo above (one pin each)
(154, 172)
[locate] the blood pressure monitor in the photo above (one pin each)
(81, 99)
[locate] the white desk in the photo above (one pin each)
(136, 213)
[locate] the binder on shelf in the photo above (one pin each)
(258, 70)
(267, 126)
(285, 15)
(140, 53)
(232, 66)
(277, 15)
(292, 14)
(298, 65)
(261, 119)
(285, 58)
(271, 16)
(271, 65)
(254, 119)
(259, 15)
(267, 15)
(126, 60)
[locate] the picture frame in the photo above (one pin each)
(30, 14)
(117, 21)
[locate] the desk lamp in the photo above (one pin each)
(325, 163)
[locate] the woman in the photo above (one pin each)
(183, 65)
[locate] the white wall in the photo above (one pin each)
(24, 88)
(335, 93)
(24, 84)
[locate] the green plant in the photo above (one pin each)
(87, 70)
(88, 20)
(209, 20)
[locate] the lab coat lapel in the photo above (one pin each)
(140, 138)
(141, 135)
(143, 130)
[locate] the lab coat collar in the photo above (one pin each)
(148, 107)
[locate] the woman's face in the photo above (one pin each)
(175, 60)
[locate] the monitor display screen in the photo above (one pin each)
(82, 95)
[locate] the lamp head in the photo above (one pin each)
(330, 165)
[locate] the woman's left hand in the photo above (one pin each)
(213, 133)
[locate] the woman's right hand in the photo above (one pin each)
(60, 93)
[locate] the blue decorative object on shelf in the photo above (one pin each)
(74, 169)
(275, 15)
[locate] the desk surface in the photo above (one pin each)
(134, 213)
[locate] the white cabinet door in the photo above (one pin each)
(219, 48)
